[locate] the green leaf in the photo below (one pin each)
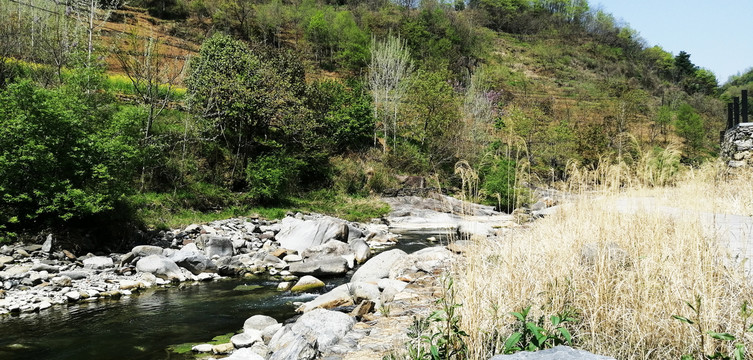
(434, 352)
(739, 353)
(722, 336)
(555, 320)
(566, 335)
(683, 319)
(512, 341)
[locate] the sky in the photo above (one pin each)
(718, 34)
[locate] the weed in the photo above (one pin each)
(445, 338)
(532, 336)
(737, 353)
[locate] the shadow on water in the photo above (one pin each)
(143, 325)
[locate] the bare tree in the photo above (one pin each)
(389, 80)
(153, 75)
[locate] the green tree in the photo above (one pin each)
(690, 127)
(62, 157)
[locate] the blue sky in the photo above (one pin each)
(718, 35)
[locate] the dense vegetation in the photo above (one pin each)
(226, 105)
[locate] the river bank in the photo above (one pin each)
(279, 252)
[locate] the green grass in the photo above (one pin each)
(203, 204)
(185, 348)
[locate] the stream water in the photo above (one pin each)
(143, 326)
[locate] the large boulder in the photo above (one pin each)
(311, 334)
(556, 353)
(324, 266)
(339, 296)
(425, 260)
(193, 260)
(218, 246)
(300, 235)
(378, 267)
(161, 267)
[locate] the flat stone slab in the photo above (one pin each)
(555, 353)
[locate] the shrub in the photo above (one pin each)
(270, 176)
(61, 156)
(498, 184)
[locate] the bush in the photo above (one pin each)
(61, 156)
(270, 176)
(349, 175)
(498, 185)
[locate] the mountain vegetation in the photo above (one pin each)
(153, 112)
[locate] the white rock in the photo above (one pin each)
(203, 348)
(247, 338)
(378, 267)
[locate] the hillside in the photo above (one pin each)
(186, 107)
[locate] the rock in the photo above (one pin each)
(258, 323)
(222, 348)
(339, 296)
(270, 331)
(44, 305)
(470, 228)
(390, 283)
(73, 295)
(378, 267)
(45, 267)
(365, 307)
(459, 246)
(283, 286)
(311, 334)
(364, 291)
(75, 275)
(331, 247)
(146, 250)
(98, 263)
(307, 282)
(246, 339)
(426, 260)
(16, 271)
(204, 348)
(218, 246)
(5, 259)
(69, 255)
(354, 233)
(244, 354)
(190, 258)
(47, 246)
(300, 235)
(274, 262)
(361, 250)
(130, 285)
(325, 266)
(62, 281)
(161, 267)
(292, 258)
(556, 353)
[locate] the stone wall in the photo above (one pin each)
(737, 146)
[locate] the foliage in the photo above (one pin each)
(64, 156)
(444, 339)
(270, 176)
(533, 336)
(739, 347)
(690, 127)
(499, 184)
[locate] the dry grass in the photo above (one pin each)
(625, 298)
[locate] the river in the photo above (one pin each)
(143, 326)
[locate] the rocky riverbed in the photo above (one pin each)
(38, 276)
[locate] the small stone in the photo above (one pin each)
(283, 286)
(307, 282)
(73, 295)
(365, 307)
(258, 322)
(223, 348)
(292, 258)
(203, 348)
(246, 339)
(69, 255)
